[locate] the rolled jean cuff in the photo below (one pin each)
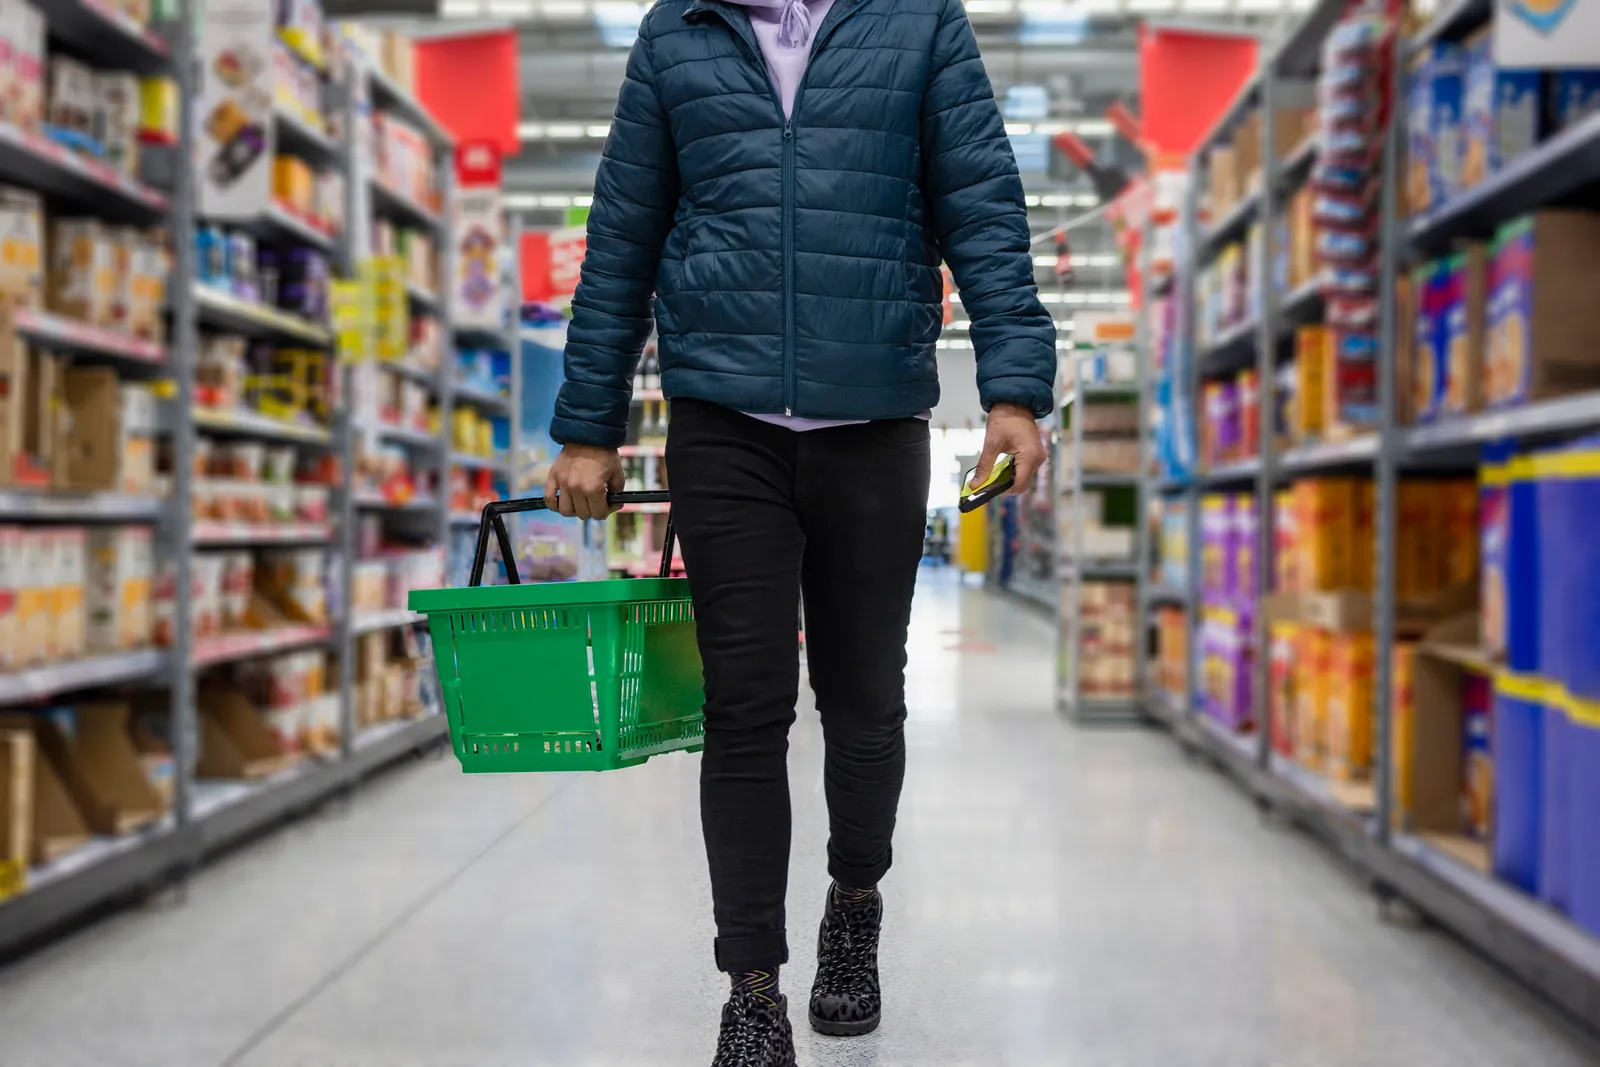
(858, 877)
(752, 952)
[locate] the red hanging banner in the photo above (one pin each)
(1186, 81)
(469, 84)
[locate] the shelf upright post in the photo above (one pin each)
(184, 724)
(512, 274)
(1266, 393)
(349, 429)
(1184, 330)
(444, 160)
(1392, 244)
(1144, 484)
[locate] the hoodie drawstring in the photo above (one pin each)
(794, 27)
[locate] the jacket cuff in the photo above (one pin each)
(1032, 393)
(584, 432)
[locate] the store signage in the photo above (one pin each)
(1547, 34)
(478, 230)
(567, 247)
(235, 113)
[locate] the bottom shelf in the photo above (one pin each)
(1447, 878)
(106, 870)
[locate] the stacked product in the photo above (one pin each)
(1228, 606)
(245, 487)
(68, 591)
(294, 386)
(1108, 623)
(1354, 107)
(384, 575)
(1231, 428)
(243, 592)
(287, 276)
(389, 676)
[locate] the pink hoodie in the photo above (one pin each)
(784, 29)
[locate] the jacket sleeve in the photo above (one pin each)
(974, 197)
(635, 199)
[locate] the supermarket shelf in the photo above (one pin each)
(1091, 708)
(1330, 454)
(64, 335)
(1166, 708)
(1300, 54)
(42, 683)
(1234, 349)
(79, 507)
(1246, 98)
(406, 435)
(1455, 19)
(478, 463)
(642, 450)
(481, 397)
(281, 224)
(378, 502)
(214, 534)
(645, 568)
(1168, 486)
(253, 424)
(390, 95)
(1230, 227)
(36, 162)
(111, 38)
(209, 651)
(1549, 417)
(1301, 305)
(1096, 569)
(396, 205)
(218, 308)
(1243, 470)
(366, 622)
(428, 376)
(1296, 167)
(1166, 594)
(1560, 167)
(474, 336)
(297, 135)
(1534, 942)
(1245, 745)
(422, 297)
(1353, 800)
(1109, 480)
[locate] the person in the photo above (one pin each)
(785, 177)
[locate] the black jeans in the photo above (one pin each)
(765, 513)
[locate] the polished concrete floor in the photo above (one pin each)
(1062, 898)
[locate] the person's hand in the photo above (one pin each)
(579, 480)
(1011, 431)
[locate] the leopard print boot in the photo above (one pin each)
(846, 999)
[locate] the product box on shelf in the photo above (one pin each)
(1351, 673)
(121, 566)
(235, 741)
(1283, 641)
(16, 809)
(25, 92)
(12, 578)
(1325, 529)
(1311, 685)
(82, 283)
(1434, 123)
(1503, 112)
(116, 118)
(58, 826)
(1574, 95)
(1448, 368)
(71, 106)
(70, 548)
(21, 246)
(1543, 339)
(91, 406)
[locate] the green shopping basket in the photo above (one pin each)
(565, 676)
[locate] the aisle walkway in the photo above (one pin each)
(1062, 899)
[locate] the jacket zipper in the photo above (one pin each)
(829, 25)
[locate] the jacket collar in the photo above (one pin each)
(737, 11)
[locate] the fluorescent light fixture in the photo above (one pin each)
(1207, 6)
(520, 201)
(530, 131)
(554, 200)
(510, 9)
(460, 9)
(1052, 298)
(564, 9)
(1032, 200)
(563, 132)
(1018, 129)
(1259, 5)
(582, 201)
(597, 130)
(1045, 261)
(990, 7)
(1141, 6)
(955, 298)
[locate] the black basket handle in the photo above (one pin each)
(493, 516)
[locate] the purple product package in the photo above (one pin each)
(1243, 552)
(1216, 520)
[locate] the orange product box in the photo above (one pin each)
(1458, 532)
(1313, 367)
(1403, 740)
(1311, 698)
(1327, 522)
(1286, 541)
(1351, 672)
(1363, 549)
(1418, 554)
(1285, 639)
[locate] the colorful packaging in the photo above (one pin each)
(1350, 709)
(1313, 351)
(1504, 113)
(1459, 533)
(1311, 699)
(1402, 731)
(121, 568)
(1477, 755)
(1543, 339)
(11, 580)
(1215, 529)
(1416, 553)
(1574, 95)
(1363, 546)
(1284, 638)
(1326, 510)
(1434, 123)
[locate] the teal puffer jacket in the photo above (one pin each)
(795, 264)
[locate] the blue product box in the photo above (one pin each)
(1502, 112)
(1447, 68)
(1574, 95)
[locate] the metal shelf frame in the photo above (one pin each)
(206, 817)
(1545, 951)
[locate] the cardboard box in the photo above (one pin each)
(91, 405)
(82, 283)
(1351, 670)
(1325, 524)
(72, 100)
(1311, 698)
(70, 573)
(121, 569)
(234, 739)
(1544, 339)
(1503, 113)
(143, 293)
(16, 809)
(1313, 353)
(1224, 188)
(29, 421)
(107, 779)
(116, 118)
(35, 628)
(22, 246)
(11, 579)
(26, 101)
(58, 824)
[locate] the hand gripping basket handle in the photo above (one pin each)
(493, 516)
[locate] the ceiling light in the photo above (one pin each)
(563, 132)
(1209, 6)
(1151, 5)
(1018, 129)
(1032, 200)
(460, 9)
(530, 131)
(554, 200)
(568, 9)
(598, 130)
(519, 201)
(511, 9)
(582, 201)
(990, 7)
